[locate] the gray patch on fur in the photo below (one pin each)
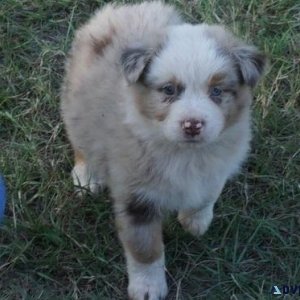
(134, 61)
(251, 63)
(141, 211)
(146, 297)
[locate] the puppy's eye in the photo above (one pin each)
(169, 89)
(215, 92)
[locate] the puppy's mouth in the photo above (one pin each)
(192, 140)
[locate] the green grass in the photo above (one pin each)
(54, 246)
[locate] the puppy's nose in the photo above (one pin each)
(192, 127)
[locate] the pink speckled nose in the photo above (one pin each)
(192, 127)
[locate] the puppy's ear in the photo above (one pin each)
(250, 62)
(134, 62)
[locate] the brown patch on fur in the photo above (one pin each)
(142, 106)
(242, 100)
(175, 81)
(149, 108)
(140, 230)
(99, 44)
(152, 102)
(216, 79)
(234, 115)
(79, 157)
(161, 116)
(144, 247)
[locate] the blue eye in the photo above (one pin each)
(215, 92)
(169, 89)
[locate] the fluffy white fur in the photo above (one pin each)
(146, 279)
(130, 132)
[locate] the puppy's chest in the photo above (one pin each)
(183, 182)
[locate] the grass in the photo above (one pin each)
(54, 246)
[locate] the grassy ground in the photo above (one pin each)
(53, 246)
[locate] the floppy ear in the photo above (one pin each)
(134, 62)
(250, 62)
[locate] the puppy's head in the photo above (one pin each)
(196, 85)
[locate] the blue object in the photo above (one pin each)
(2, 198)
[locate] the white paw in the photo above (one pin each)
(147, 281)
(196, 223)
(83, 181)
(147, 289)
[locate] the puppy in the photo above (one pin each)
(157, 110)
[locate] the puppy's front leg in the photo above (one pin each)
(196, 221)
(139, 228)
